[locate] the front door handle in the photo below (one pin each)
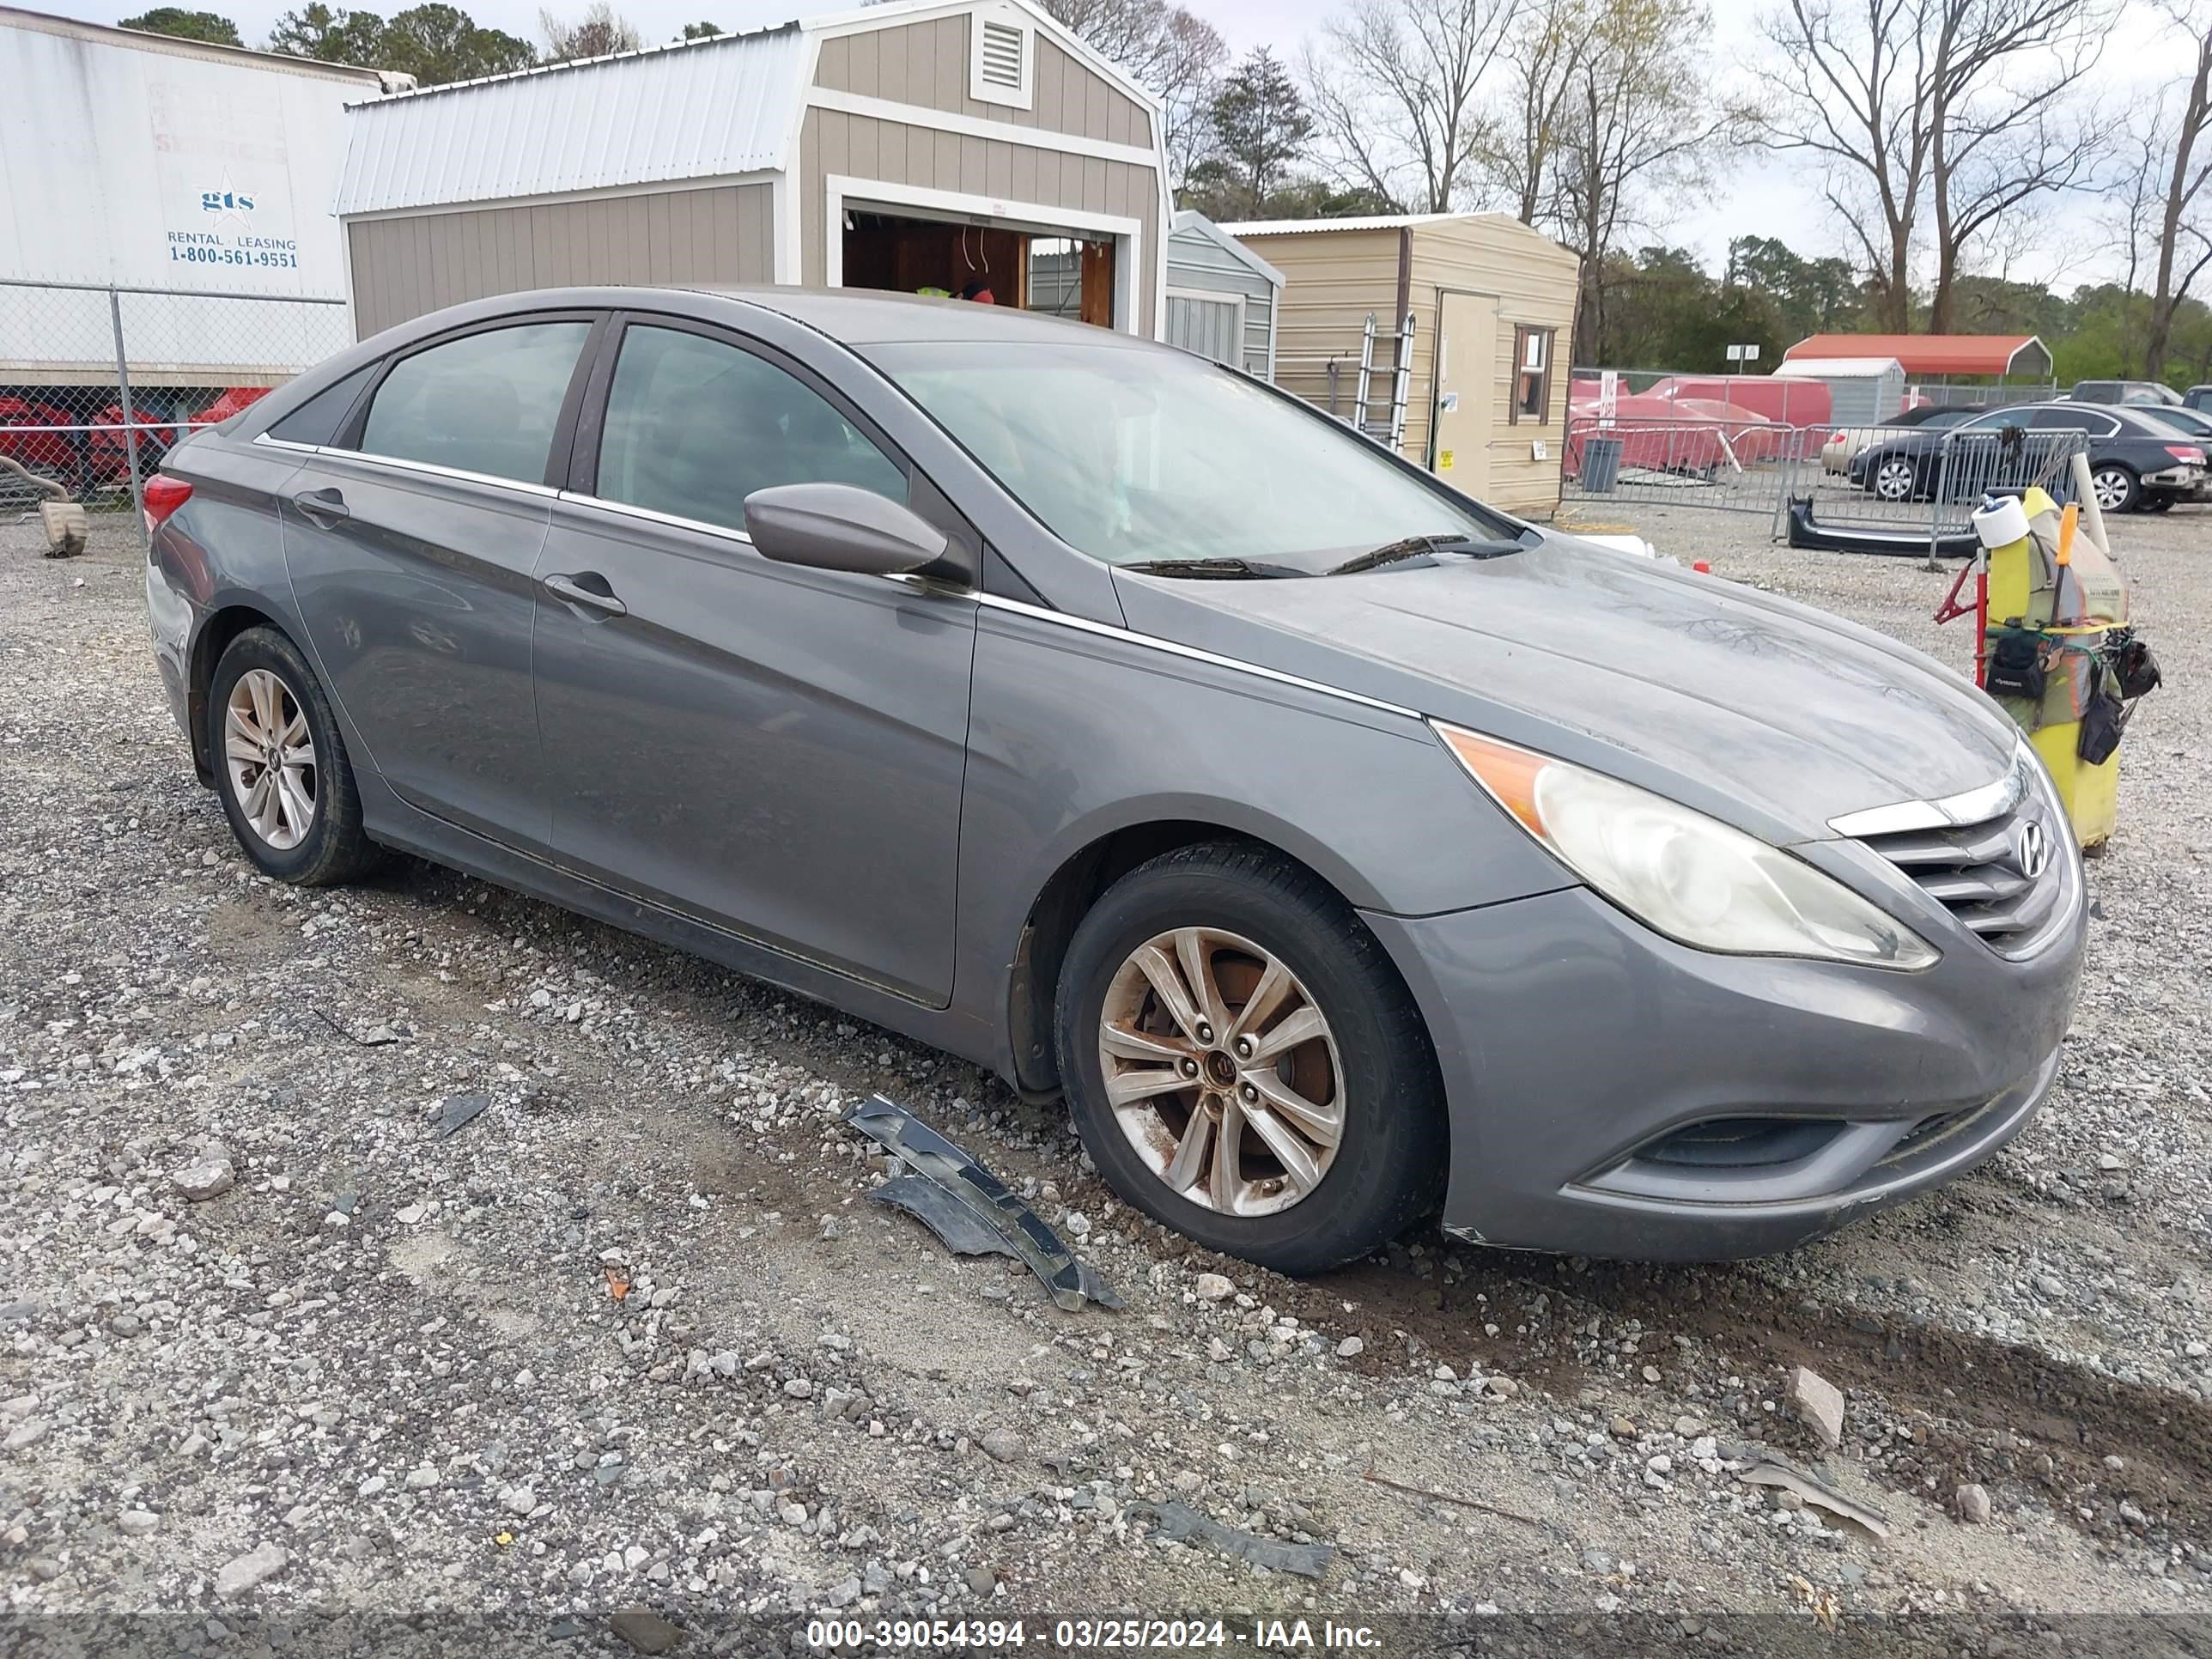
(572, 589)
(324, 508)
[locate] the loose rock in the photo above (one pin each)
(1818, 1404)
(263, 1562)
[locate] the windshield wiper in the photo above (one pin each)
(1227, 570)
(1414, 547)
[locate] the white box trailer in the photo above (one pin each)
(186, 186)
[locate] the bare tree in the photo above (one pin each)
(2184, 241)
(1166, 49)
(1539, 63)
(1636, 117)
(1850, 87)
(599, 32)
(1395, 89)
(2000, 131)
(1903, 100)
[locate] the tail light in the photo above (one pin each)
(163, 495)
(2187, 455)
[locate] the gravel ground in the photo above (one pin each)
(271, 1344)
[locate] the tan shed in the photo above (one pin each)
(957, 146)
(1492, 305)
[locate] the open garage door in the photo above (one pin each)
(1066, 275)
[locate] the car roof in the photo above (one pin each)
(873, 317)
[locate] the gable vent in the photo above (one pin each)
(1000, 62)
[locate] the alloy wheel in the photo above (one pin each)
(1222, 1072)
(1893, 481)
(269, 754)
(2109, 486)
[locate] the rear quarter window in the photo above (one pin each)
(318, 420)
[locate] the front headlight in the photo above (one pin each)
(1689, 877)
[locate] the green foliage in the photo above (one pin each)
(1260, 126)
(437, 44)
(702, 31)
(186, 26)
(334, 35)
(1664, 311)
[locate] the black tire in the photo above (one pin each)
(2159, 503)
(2126, 487)
(335, 847)
(1389, 1168)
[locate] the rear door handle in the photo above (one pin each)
(322, 507)
(572, 589)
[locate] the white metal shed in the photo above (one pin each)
(918, 145)
(1221, 297)
(1861, 391)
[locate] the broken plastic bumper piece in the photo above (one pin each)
(969, 1207)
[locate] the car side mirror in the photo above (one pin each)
(834, 526)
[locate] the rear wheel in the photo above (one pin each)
(1243, 1065)
(281, 767)
(2116, 489)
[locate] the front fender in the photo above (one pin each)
(1076, 736)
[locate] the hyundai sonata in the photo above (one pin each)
(1336, 847)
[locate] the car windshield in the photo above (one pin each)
(1163, 457)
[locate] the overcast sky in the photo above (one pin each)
(1753, 194)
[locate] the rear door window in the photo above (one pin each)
(2075, 420)
(694, 425)
(485, 402)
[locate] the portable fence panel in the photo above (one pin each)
(1713, 463)
(68, 353)
(1913, 483)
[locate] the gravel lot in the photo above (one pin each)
(386, 1369)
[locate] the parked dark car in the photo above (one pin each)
(2122, 391)
(2197, 397)
(1335, 846)
(2135, 461)
(1846, 442)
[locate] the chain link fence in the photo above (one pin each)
(98, 383)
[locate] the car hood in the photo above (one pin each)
(1767, 714)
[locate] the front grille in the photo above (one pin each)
(1977, 871)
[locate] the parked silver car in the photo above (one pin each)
(1334, 844)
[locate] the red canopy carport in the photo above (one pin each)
(1937, 356)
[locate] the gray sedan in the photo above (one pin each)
(1338, 848)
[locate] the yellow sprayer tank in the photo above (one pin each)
(2034, 585)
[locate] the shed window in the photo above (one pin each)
(1531, 374)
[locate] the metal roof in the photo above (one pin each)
(697, 109)
(1191, 221)
(1369, 221)
(1838, 368)
(1935, 354)
(689, 110)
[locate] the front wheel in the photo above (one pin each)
(1243, 1064)
(1894, 478)
(2117, 489)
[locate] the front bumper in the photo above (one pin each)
(1582, 1054)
